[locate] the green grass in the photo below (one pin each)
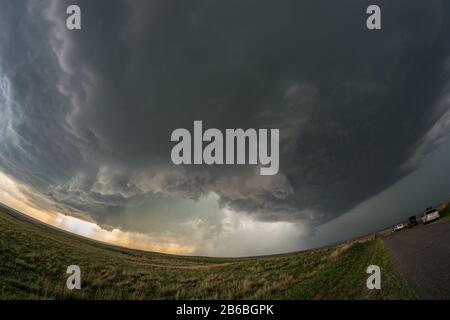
(445, 211)
(34, 258)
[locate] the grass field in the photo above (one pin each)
(445, 211)
(34, 259)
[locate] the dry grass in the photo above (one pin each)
(34, 258)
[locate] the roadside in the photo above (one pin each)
(421, 254)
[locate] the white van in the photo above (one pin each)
(430, 215)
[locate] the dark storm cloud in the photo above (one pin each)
(89, 113)
(36, 145)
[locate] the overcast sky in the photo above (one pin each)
(86, 116)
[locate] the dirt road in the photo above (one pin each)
(422, 254)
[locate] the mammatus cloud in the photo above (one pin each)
(86, 116)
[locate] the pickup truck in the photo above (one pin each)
(430, 215)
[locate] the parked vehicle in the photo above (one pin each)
(398, 227)
(430, 215)
(412, 221)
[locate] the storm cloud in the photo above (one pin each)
(86, 116)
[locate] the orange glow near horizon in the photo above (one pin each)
(12, 196)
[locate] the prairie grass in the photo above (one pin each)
(34, 259)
